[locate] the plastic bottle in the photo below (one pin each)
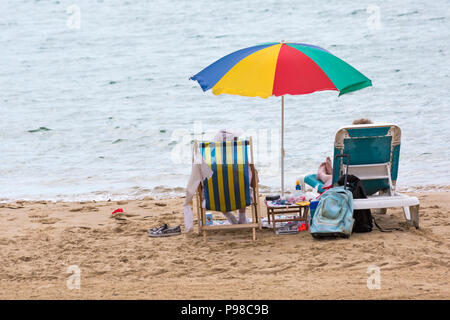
(298, 191)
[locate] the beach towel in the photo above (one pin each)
(200, 171)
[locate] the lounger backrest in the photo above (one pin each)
(366, 145)
(229, 187)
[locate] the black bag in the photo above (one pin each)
(363, 218)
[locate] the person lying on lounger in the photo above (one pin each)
(325, 171)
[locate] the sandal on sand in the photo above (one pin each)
(164, 231)
(161, 227)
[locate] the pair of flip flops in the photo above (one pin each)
(164, 231)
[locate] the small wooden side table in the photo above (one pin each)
(273, 211)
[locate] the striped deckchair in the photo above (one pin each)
(229, 188)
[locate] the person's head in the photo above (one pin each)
(362, 121)
(225, 134)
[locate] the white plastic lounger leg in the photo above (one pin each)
(412, 215)
(414, 210)
(407, 213)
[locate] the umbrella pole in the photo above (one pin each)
(282, 146)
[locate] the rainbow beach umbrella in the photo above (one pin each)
(277, 69)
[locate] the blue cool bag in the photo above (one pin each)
(334, 214)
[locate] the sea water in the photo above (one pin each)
(96, 103)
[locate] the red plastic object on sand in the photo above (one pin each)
(302, 227)
(117, 211)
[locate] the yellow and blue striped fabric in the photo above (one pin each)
(229, 187)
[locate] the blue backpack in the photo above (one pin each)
(334, 214)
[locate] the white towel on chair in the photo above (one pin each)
(200, 171)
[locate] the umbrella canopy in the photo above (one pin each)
(279, 68)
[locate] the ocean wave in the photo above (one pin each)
(164, 192)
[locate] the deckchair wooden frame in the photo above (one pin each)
(255, 205)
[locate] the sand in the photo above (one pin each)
(117, 259)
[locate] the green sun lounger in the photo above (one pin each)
(374, 151)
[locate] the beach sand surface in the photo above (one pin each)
(39, 241)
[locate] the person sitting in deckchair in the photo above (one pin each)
(325, 171)
(225, 135)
